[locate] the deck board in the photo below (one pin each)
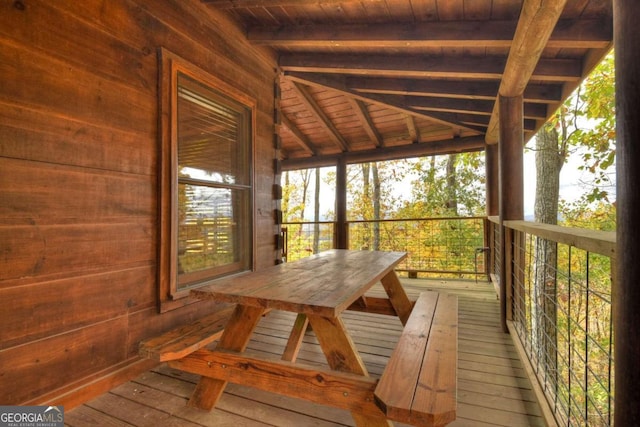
(492, 386)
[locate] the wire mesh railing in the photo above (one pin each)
(562, 315)
(559, 296)
(302, 239)
(436, 247)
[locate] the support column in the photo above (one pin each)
(341, 231)
(626, 286)
(511, 147)
(492, 165)
(492, 171)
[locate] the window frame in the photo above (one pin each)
(170, 66)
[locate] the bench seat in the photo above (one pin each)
(186, 339)
(418, 386)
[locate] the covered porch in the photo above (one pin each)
(87, 243)
(493, 388)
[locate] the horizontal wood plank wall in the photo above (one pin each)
(78, 182)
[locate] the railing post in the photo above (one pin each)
(511, 187)
(342, 239)
(492, 168)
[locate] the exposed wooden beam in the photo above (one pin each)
(414, 132)
(452, 105)
(337, 83)
(238, 4)
(360, 108)
(424, 34)
(453, 67)
(480, 120)
(535, 26)
(322, 118)
(571, 34)
(581, 34)
(299, 137)
(463, 89)
(449, 146)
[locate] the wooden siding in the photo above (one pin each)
(78, 182)
(492, 386)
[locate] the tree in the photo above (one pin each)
(451, 202)
(599, 139)
(447, 186)
(316, 214)
(376, 206)
(550, 156)
(585, 124)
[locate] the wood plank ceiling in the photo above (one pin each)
(382, 79)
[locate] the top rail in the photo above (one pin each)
(595, 241)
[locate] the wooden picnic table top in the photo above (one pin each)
(324, 284)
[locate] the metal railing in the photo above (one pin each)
(558, 292)
(301, 239)
(559, 307)
(436, 247)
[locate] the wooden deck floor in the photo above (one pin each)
(492, 387)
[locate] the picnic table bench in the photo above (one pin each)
(417, 387)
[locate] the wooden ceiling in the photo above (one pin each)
(382, 79)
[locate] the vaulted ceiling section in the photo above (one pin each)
(384, 79)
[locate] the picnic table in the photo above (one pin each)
(319, 289)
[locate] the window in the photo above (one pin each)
(206, 179)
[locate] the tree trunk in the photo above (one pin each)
(549, 161)
(306, 177)
(376, 207)
(451, 203)
(366, 203)
(316, 215)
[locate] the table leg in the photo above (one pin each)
(342, 355)
(295, 338)
(397, 296)
(235, 337)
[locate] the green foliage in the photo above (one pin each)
(587, 125)
(600, 215)
(430, 193)
(436, 247)
(579, 368)
(360, 191)
(443, 245)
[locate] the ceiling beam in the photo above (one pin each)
(571, 34)
(482, 121)
(453, 67)
(239, 4)
(462, 89)
(360, 108)
(322, 118)
(414, 132)
(535, 26)
(448, 146)
(337, 83)
(453, 105)
(299, 137)
(484, 108)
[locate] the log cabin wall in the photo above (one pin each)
(78, 182)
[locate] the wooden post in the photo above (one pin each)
(511, 189)
(342, 240)
(626, 292)
(492, 164)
